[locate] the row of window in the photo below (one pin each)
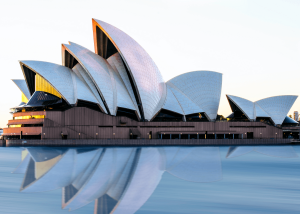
(25, 125)
(29, 117)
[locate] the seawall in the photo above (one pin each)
(140, 142)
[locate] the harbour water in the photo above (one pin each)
(144, 180)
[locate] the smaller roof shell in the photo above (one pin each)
(276, 107)
(56, 75)
(246, 106)
(203, 88)
(23, 87)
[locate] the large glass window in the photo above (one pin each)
(25, 125)
(24, 98)
(29, 117)
(42, 85)
(14, 126)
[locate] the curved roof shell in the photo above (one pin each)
(117, 64)
(201, 87)
(99, 72)
(246, 106)
(187, 105)
(80, 72)
(64, 80)
(56, 75)
(290, 120)
(276, 107)
(81, 90)
(259, 112)
(23, 87)
(172, 103)
(146, 78)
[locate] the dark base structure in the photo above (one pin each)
(154, 142)
(81, 123)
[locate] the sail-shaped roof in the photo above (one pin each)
(23, 87)
(56, 75)
(99, 72)
(246, 106)
(276, 107)
(146, 79)
(203, 88)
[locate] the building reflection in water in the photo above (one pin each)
(119, 180)
(274, 151)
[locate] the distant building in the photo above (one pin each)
(296, 116)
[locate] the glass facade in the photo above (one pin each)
(29, 117)
(25, 125)
(24, 98)
(42, 85)
(14, 126)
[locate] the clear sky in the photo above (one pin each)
(255, 43)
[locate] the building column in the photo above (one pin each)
(170, 136)
(232, 136)
(224, 136)
(215, 136)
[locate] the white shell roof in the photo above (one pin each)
(116, 63)
(79, 71)
(123, 97)
(98, 70)
(172, 103)
(58, 76)
(81, 90)
(203, 88)
(23, 87)
(259, 112)
(188, 106)
(277, 107)
(246, 106)
(149, 82)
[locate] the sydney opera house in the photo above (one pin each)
(117, 92)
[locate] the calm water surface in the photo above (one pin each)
(240, 179)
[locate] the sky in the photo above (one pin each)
(255, 44)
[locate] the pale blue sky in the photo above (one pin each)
(255, 44)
